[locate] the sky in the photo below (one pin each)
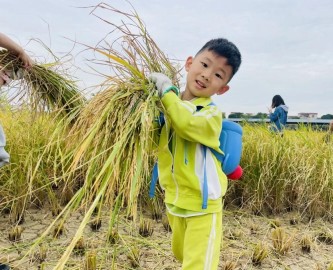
(286, 46)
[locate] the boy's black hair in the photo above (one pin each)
(225, 48)
(277, 101)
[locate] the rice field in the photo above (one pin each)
(75, 194)
(37, 226)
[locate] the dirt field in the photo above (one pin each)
(242, 232)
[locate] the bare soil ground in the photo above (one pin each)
(242, 232)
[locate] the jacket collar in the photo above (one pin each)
(201, 101)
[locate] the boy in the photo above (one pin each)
(187, 170)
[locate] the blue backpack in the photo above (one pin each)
(231, 146)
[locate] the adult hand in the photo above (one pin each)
(163, 83)
(25, 58)
(16, 49)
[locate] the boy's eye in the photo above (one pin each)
(218, 76)
(204, 64)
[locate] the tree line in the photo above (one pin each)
(261, 115)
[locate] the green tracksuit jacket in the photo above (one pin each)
(181, 155)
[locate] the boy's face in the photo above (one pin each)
(207, 74)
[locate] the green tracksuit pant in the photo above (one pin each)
(196, 240)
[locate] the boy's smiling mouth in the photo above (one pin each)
(200, 84)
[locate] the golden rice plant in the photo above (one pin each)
(80, 247)
(113, 236)
(91, 260)
(41, 254)
(260, 253)
(281, 241)
(134, 255)
(229, 265)
(306, 243)
(165, 223)
(15, 233)
(146, 227)
(156, 207)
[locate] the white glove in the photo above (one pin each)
(163, 83)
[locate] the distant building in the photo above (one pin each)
(293, 117)
(308, 115)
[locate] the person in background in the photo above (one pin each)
(191, 177)
(279, 117)
(5, 77)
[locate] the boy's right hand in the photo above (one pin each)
(163, 83)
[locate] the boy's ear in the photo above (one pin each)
(223, 89)
(188, 63)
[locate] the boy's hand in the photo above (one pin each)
(163, 83)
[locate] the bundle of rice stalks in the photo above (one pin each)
(116, 132)
(45, 89)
